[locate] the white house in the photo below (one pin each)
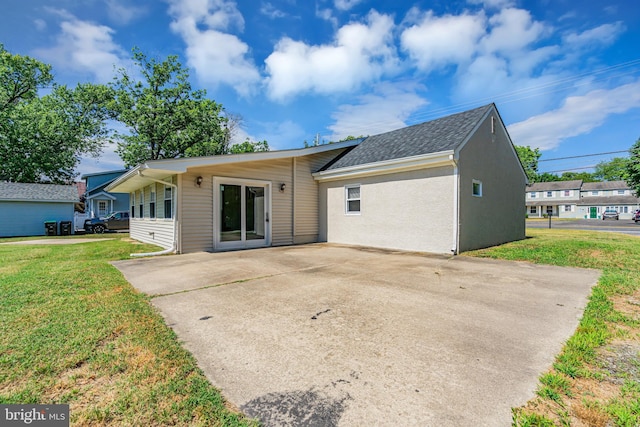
(444, 186)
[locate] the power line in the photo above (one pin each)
(584, 155)
(572, 169)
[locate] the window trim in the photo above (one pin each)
(347, 211)
(152, 202)
(475, 182)
(141, 204)
(132, 213)
(170, 200)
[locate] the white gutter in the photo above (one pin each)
(172, 249)
(456, 203)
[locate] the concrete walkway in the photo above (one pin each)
(330, 335)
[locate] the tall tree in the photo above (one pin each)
(165, 118)
(633, 167)
(613, 170)
(529, 158)
(20, 78)
(43, 138)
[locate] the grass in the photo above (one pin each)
(595, 381)
(73, 330)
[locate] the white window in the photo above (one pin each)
(352, 196)
(567, 208)
(594, 193)
(533, 209)
(476, 188)
(567, 193)
(141, 205)
(532, 195)
(626, 209)
(167, 202)
(152, 202)
(132, 196)
(549, 193)
(621, 192)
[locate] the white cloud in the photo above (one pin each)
(360, 52)
(40, 24)
(327, 15)
(493, 4)
(512, 30)
(435, 41)
(577, 116)
(271, 11)
(217, 56)
(107, 161)
(85, 47)
(603, 35)
(122, 13)
(282, 135)
(346, 4)
(385, 110)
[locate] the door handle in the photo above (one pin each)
(267, 216)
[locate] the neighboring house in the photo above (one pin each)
(558, 198)
(24, 208)
(98, 202)
(596, 197)
(444, 186)
(575, 199)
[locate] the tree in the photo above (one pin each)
(248, 146)
(164, 116)
(633, 167)
(43, 138)
(20, 78)
(613, 170)
(529, 158)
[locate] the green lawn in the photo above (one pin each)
(595, 381)
(73, 330)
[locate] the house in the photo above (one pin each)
(596, 197)
(98, 202)
(577, 199)
(24, 208)
(444, 186)
(558, 198)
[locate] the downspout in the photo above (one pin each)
(456, 203)
(172, 249)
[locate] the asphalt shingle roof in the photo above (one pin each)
(607, 185)
(608, 200)
(555, 185)
(443, 134)
(38, 192)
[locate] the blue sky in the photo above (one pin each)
(565, 75)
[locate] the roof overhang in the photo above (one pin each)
(162, 169)
(431, 160)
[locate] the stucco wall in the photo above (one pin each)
(27, 218)
(499, 215)
(408, 210)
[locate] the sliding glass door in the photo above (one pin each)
(242, 218)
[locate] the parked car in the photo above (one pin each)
(115, 221)
(610, 213)
(636, 216)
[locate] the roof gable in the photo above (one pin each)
(440, 135)
(19, 191)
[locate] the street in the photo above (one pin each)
(624, 226)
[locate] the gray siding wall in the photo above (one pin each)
(407, 210)
(498, 216)
(27, 218)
